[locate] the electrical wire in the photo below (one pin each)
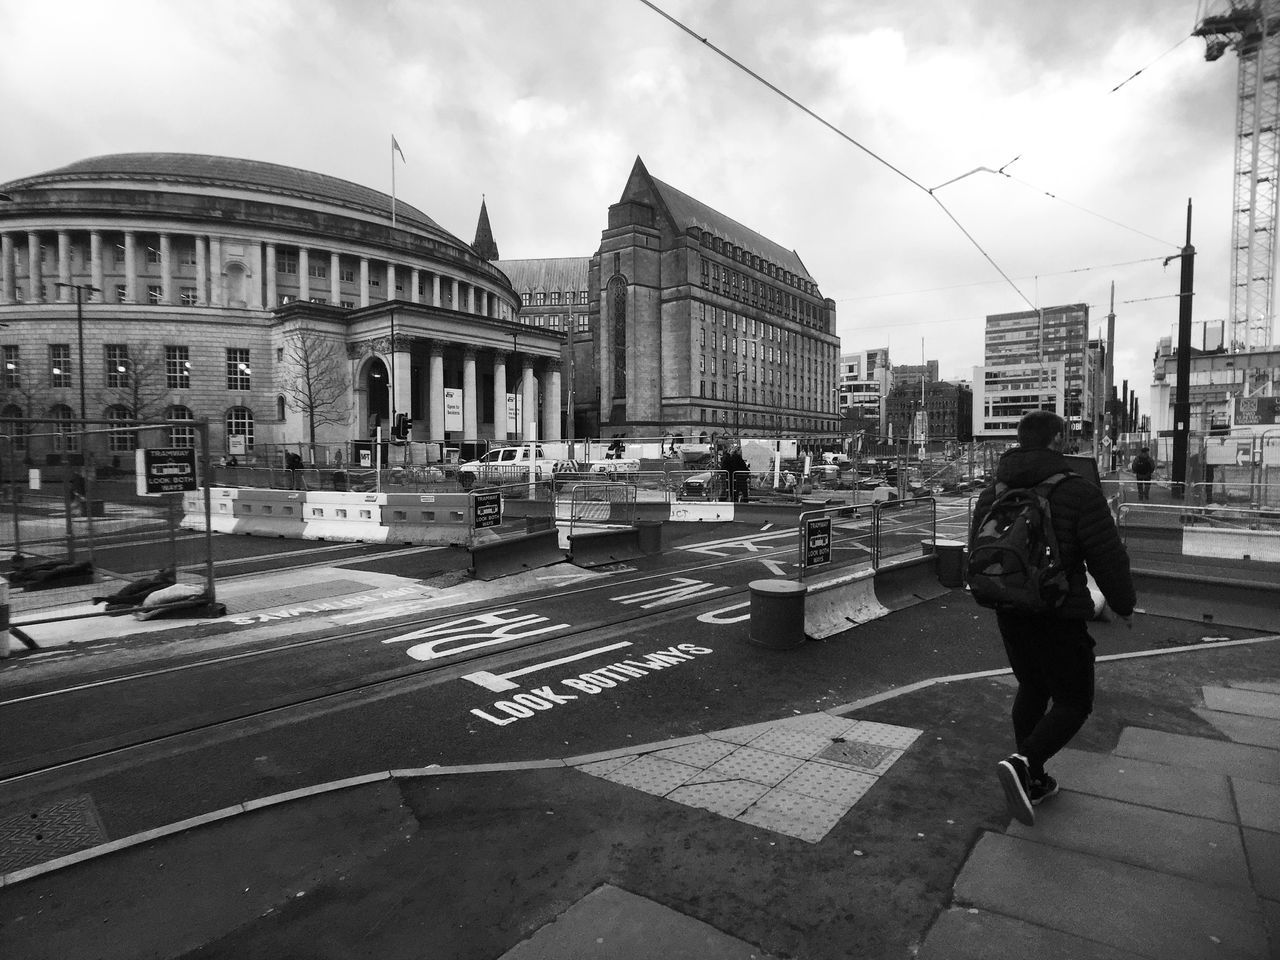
(1151, 64)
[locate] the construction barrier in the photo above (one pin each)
(504, 556)
(344, 517)
(270, 513)
(834, 606)
(908, 582)
(442, 519)
(222, 518)
(594, 548)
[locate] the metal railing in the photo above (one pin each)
(601, 502)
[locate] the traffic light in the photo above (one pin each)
(400, 430)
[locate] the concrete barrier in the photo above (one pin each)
(504, 556)
(344, 517)
(441, 519)
(594, 548)
(836, 605)
(904, 584)
(1227, 544)
(270, 513)
(695, 511)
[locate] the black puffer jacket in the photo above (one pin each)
(1082, 521)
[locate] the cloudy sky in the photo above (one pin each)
(542, 106)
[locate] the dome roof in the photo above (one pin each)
(197, 168)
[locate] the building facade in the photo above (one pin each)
(199, 287)
(941, 411)
(866, 378)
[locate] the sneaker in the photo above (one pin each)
(1041, 789)
(1016, 780)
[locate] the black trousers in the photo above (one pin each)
(1052, 661)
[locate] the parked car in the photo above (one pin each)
(710, 485)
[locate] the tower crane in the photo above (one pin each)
(1252, 29)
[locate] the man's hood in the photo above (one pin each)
(1026, 468)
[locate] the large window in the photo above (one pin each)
(180, 436)
(12, 367)
(238, 369)
(60, 364)
(177, 367)
(121, 441)
(240, 424)
(116, 356)
(64, 423)
(11, 423)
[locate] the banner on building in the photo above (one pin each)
(1255, 410)
(452, 408)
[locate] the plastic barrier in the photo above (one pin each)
(834, 606)
(907, 583)
(443, 519)
(222, 517)
(504, 556)
(344, 517)
(683, 511)
(594, 548)
(270, 513)
(777, 613)
(1262, 545)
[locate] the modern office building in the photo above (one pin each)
(1002, 393)
(866, 378)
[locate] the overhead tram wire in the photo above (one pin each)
(840, 133)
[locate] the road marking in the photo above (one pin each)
(564, 579)
(751, 544)
(718, 616)
(486, 629)
(773, 566)
(680, 589)
(500, 682)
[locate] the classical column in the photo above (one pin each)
(35, 282)
(6, 268)
(218, 294)
(304, 274)
(470, 424)
(202, 271)
(335, 284)
(454, 304)
(95, 266)
(402, 374)
(131, 268)
(64, 267)
(529, 401)
(435, 395)
(166, 268)
(273, 290)
(413, 286)
(435, 289)
(256, 293)
(551, 402)
(364, 281)
(391, 281)
(471, 298)
(500, 427)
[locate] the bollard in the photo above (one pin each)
(650, 536)
(949, 560)
(777, 613)
(4, 617)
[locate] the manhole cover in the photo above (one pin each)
(853, 753)
(46, 830)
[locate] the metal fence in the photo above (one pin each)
(74, 524)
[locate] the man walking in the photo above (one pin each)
(1051, 653)
(1143, 467)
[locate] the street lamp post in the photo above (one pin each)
(80, 289)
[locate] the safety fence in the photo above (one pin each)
(874, 534)
(1240, 543)
(76, 526)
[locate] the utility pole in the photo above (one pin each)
(1182, 390)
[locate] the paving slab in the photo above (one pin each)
(1214, 756)
(967, 934)
(1206, 850)
(1158, 785)
(1264, 862)
(610, 922)
(1259, 731)
(1124, 906)
(1258, 803)
(1266, 686)
(1253, 703)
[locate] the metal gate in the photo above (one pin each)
(77, 526)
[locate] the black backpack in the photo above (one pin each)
(1014, 563)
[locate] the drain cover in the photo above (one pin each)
(854, 753)
(46, 830)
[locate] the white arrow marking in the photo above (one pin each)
(774, 567)
(500, 682)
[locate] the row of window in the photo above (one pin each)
(121, 370)
(62, 421)
(757, 263)
(538, 298)
(731, 283)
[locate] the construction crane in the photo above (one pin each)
(1252, 29)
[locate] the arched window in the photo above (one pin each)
(240, 424)
(180, 436)
(14, 426)
(63, 422)
(280, 407)
(121, 441)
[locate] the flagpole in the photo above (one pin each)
(393, 181)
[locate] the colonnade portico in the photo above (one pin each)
(448, 365)
(192, 271)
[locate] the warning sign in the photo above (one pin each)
(166, 470)
(817, 541)
(488, 509)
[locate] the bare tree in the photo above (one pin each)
(140, 383)
(315, 379)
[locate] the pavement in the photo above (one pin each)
(875, 828)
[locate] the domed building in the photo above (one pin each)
(284, 306)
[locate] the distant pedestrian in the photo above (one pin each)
(293, 463)
(739, 475)
(1143, 467)
(1051, 653)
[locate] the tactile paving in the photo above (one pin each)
(792, 741)
(836, 785)
(805, 818)
(884, 734)
(702, 754)
(729, 798)
(602, 768)
(760, 766)
(652, 775)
